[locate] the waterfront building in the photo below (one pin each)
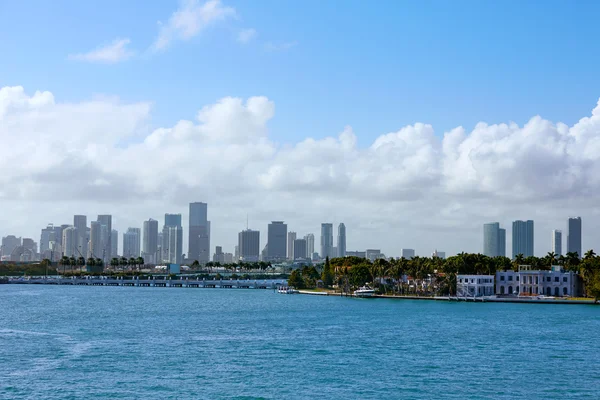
(199, 233)
(131, 243)
(522, 238)
(151, 242)
(310, 246)
(299, 249)
(70, 242)
(9, 244)
(326, 240)
(556, 242)
(276, 241)
(474, 285)
(407, 253)
(530, 282)
(373, 254)
(574, 236)
(172, 239)
(106, 233)
(494, 240)
(291, 236)
(341, 241)
(248, 245)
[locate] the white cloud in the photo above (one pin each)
(191, 19)
(246, 35)
(410, 188)
(271, 46)
(110, 54)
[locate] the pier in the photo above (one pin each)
(155, 281)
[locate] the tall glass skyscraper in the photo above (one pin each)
(494, 240)
(557, 242)
(522, 239)
(574, 236)
(341, 240)
(199, 233)
(326, 240)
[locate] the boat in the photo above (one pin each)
(286, 290)
(364, 292)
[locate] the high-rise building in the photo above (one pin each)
(172, 246)
(249, 245)
(326, 240)
(439, 254)
(277, 241)
(373, 254)
(557, 242)
(114, 244)
(29, 244)
(49, 234)
(341, 240)
(310, 245)
(299, 249)
(219, 256)
(407, 253)
(199, 233)
(70, 242)
(131, 243)
(106, 253)
(151, 242)
(96, 249)
(80, 223)
(494, 240)
(574, 236)
(9, 244)
(291, 236)
(522, 238)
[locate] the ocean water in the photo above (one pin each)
(175, 343)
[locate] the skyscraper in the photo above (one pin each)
(172, 246)
(299, 249)
(277, 241)
(114, 243)
(291, 236)
(150, 248)
(249, 245)
(70, 241)
(326, 240)
(408, 253)
(341, 240)
(106, 251)
(310, 245)
(522, 239)
(494, 240)
(574, 236)
(131, 243)
(9, 243)
(199, 233)
(557, 242)
(95, 240)
(80, 223)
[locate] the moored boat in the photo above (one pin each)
(286, 290)
(364, 292)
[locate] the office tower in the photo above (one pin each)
(131, 243)
(219, 256)
(9, 244)
(522, 239)
(407, 253)
(372, 254)
(29, 244)
(172, 245)
(151, 242)
(199, 233)
(494, 240)
(326, 240)
(70, 242)
(48, 235)
(236, 250)
(574, 236)
(228, 258)
(438, 254)
(334, 252)
(249, 245)
(80, 223)
(277, 238)
(341, 240)
(114, 243)
(291, 236)
(106, 253)
(299, 249)
(310, 245)
(95, 240)
(557, 242)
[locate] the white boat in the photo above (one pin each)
(286, 290)
(364, 292)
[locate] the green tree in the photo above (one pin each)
(327, 274)
(295, 280)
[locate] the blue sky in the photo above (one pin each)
(377, 66)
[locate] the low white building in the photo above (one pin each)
(531, 282)
(474, 285)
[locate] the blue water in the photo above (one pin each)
(174, 343)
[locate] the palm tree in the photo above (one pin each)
(589, 255)
(64, 261)
(123, 263)
(114, 262)
(80, 263)
(572, 260)
(132, 263)
(551, 257)
(140, 263)
(91, 262)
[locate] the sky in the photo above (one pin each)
(413, 122)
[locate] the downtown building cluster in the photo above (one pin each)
(494, 239)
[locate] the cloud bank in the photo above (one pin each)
(112, 53)
(411, 188)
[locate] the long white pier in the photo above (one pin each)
(155, 282)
